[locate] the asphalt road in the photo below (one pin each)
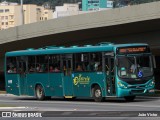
(67, 109)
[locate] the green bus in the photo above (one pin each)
(97, 71)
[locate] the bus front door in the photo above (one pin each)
(67, 78)
(22, 67)
(110, 75)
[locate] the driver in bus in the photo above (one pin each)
(134, 67)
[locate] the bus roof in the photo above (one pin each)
(72, 49)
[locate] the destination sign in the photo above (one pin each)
(128, 50)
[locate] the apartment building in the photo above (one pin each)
(29, 12)
(43, 14)
(66, 10)
(10, 14)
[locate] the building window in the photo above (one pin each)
(6, 10)
(1, 10)
(38, 9)
(2, 23)
(6, 17)
(11, 16)
(6, 23)
(45, 18)
(2, 18)
(46, 13)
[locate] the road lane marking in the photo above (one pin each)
(80, 103)
(2, 108)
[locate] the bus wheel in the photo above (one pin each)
(97, 94)
(40, 93)
(129, 98)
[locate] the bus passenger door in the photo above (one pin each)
(67, 76)
(22, 74)
(109, 62)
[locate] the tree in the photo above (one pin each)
(40, 2)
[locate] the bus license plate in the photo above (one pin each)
(151, 91)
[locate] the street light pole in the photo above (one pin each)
(22, 15)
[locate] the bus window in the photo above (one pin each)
(54, 63)
(11, 65)
(81, 62)
(67, 64)
(22, 68)
(31, 64)
(79, 68)
(42, 63)
(96, 61)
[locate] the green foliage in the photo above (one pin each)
(121, 3)
(52, 3)
(141, 1)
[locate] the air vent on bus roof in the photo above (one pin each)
(74, 46)
(51, 47)
(62, 47)
(30, 48)
(40, 48)
(104, 43)
(87, 45)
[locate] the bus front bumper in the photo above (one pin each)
(135, 92)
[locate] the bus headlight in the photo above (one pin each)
(152, 83)
(121, 85)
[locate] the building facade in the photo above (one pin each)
(43, 14)
(10, 14)
(66, 10)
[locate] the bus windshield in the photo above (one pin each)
(135, 66)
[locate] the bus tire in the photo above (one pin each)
(40, 95)
(129, 98)
(97, 94)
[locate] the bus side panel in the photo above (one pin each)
(38, 78)
(56, 84)
(83, 81)
(12, 84)
(99, 78)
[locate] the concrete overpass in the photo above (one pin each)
(138, 23)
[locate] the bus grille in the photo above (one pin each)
(137, 91)
(140, 86)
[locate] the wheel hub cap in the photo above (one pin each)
(97, 93)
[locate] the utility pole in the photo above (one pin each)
(22, 14)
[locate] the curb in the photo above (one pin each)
(157, 93)
(3, 92)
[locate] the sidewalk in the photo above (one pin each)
(2, 92)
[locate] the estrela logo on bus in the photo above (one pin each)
(81, 80)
